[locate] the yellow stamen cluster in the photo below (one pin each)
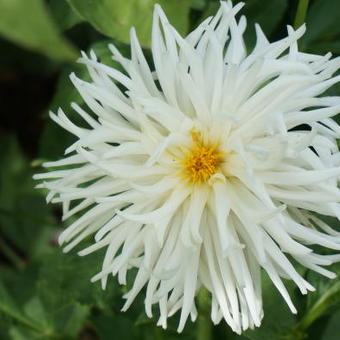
(201, 161)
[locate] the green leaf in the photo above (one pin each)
(11, 309)
(55, 139)
(21, 333)
(268, 16)
(114, 18)
(115, 327)
(198, 4)
(278, 319)
(66, 278)
(51, 299)
(64, 16)
(104, 54)
(29, 24)
(323, 47)
(8, 305)
(322, 301)
(332, 329)
(322, 22)
(24, 214)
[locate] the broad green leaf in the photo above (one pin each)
(114, 18)
(29, 24)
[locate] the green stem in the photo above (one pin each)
(11, 255)
(204, 325)
(301, 13)
(321, 306)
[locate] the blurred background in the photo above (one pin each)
(45, 294)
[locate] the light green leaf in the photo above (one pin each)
(29, 24)
(114, 18)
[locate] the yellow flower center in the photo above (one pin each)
(201, 161)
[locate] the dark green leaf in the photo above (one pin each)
(323, 26)
(198, 4)
(24, 214)
(53, 298)
(278, 319)
(268, 16)
(10, 308)
(54, 139)
(332, 329)
(115, 327)
(22, 333)
(105, 55)
(64, 16)
(322, 301)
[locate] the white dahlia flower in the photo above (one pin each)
(204, 168)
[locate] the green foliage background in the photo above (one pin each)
(45, 294)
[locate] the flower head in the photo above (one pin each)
(206, 169)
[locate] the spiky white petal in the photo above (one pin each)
(256, 207)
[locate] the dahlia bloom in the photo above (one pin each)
(205, 168)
